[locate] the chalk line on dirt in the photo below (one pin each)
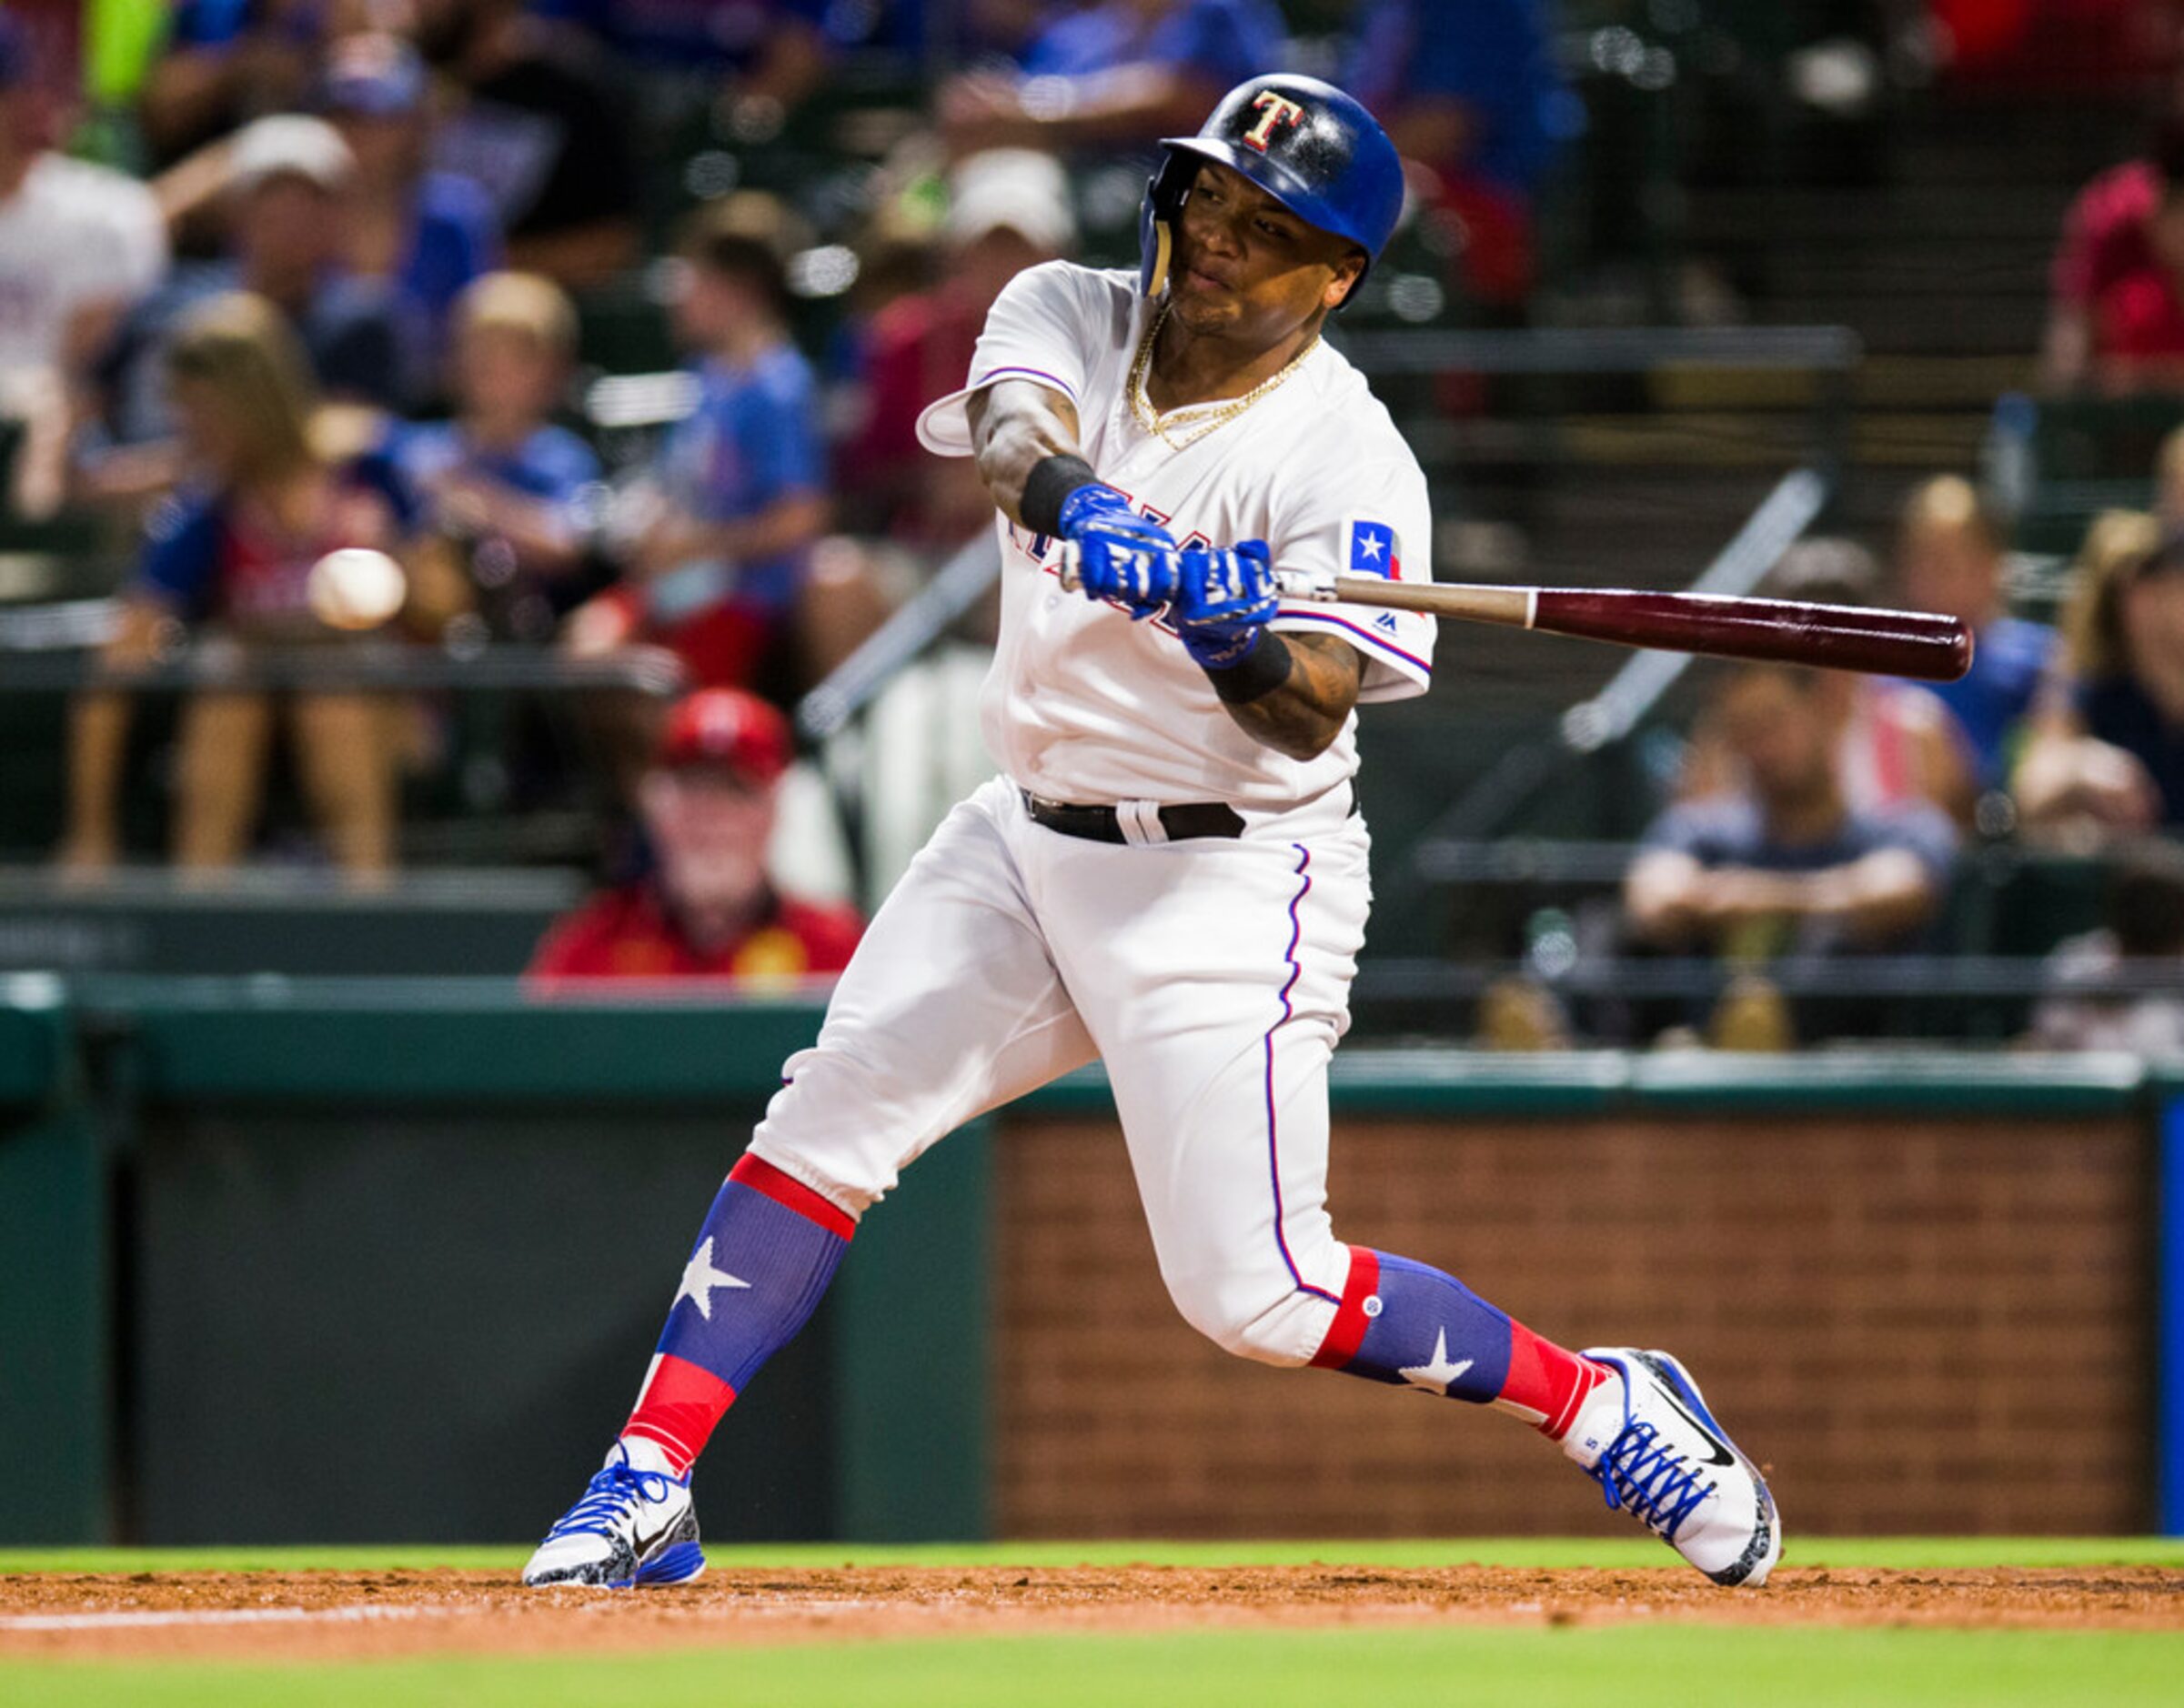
(221, 1616)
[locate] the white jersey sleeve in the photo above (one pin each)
(1045, 327)
(1374, 519)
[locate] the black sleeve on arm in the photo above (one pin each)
(1259, 673)
(1052, 479)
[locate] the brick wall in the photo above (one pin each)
(1920, 1326)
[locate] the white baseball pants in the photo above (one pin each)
(1210, 976)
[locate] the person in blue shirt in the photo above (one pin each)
(1781, 862)
(501, 479)
(1112, 75)
(231, 552)
(427, 233)
(715, 538)
(1949, 560)
(1471, 91)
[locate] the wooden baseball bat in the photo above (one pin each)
(1784, 631)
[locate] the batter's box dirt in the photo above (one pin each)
(330, 1614)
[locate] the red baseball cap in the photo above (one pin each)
(726, 726)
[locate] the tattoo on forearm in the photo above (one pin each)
(1306, 712)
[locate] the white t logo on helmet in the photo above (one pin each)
(1277, 111)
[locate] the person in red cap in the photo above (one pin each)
(707, 909)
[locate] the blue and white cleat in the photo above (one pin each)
(1648, 1441)
(634, 1529)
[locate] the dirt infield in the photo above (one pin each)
(339, 1615)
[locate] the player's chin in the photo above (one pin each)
(1204, 311)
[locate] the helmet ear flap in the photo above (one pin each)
(1165, 192)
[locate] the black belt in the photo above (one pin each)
(1104, 824)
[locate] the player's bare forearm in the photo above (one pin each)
(1661, 896)
(1879, 897)
(1015, 426)
(1302, 715)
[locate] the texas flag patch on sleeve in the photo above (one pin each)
(1372, 549)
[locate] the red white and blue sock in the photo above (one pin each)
(769, 1248)
(1405, 1323)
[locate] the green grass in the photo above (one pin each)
(1904, 1553)
(1691, 1667)
(1536, 1666)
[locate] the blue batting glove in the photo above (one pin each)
(1224, 602)
(1121, 555)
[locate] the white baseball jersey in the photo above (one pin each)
(1084, 705)
(72, 236)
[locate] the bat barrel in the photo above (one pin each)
(1838, 637)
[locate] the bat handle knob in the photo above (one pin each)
(1302, 584)
(1070, 577)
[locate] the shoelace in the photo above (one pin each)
(1641, 1474)
(606, 1496)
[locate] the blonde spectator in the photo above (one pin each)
(229, 554)
(2107, 756)
(502, 478)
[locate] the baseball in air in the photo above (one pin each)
(356, 588)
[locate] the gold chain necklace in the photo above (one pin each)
(1141, 401)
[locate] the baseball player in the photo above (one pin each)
(1171, 873)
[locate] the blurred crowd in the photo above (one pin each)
(280, 278)
(1823, 814)
(284, 277)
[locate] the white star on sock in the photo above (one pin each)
(1434, 1375)
(700, 1278)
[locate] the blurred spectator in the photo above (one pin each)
(1112, 75)
(425, 233)
(714, 540)
(535, 126)
(79, 244)
(2107, 756)
(228, 62)
(2116, 313)
(2144, 936)
(501, 478)
(1008, 209)
(708, 910)
(1785, 863)
(284, 182)
(1949, 560)
(1896, 743)
(1473, 94)
(762, 57)
(229, 556)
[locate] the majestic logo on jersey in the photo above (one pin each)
(1373, 549)
(1276, 112)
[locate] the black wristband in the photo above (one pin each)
(1256, 675)
(1052, 479)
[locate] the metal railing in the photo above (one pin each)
(368, 667)
(1598, 720)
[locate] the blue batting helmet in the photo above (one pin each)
(1306, 144)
